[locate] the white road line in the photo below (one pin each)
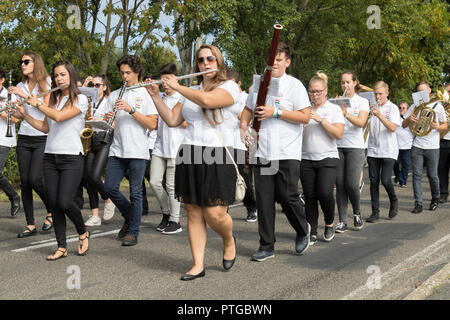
(387, 277)
(69, 239)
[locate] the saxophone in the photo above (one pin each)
(86, 133)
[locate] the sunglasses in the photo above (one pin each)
(209, 58)
(98, 85)
(25, 62)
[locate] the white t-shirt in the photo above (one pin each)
(317, 144)
(168, 139)
(64, 137)
(130, 138)
(25, 128)
(239, 144)
(5, 141)
(404, 137)
(99, 109)
(199, 131)
(431, 140)
(354, 136)
(382, 141)
(279, 139)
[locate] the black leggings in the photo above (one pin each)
(318, 178)
(63, 175)
(30, 154)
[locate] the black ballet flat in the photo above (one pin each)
(227, 264)
(45, 226)
(27, 233)
(188, 277)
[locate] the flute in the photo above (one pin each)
(187, 76)
(8, 119)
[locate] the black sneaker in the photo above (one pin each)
(328, 235)
(341, 227)
(443, 199)
(393, 210)
(172, 227)
(357, 221)
(164, 223)
(373, 217)
(252, 216)
(303, 242)
(434, 204)
(15, 206)
(312, 239)
(417, 208)
(302, 199)
(262, 255)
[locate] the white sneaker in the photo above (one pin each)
(108, 210)
(93, 221)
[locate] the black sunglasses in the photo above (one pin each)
(98, 85)
(26, 62)
(209, 58)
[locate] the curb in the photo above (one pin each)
(433, 282)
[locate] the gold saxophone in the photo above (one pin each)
(86, 133)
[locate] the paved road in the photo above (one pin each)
(385, 260)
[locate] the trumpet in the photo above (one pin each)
(187, 76)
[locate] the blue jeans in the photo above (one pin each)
(429, 157)
(115, 172)
(401, 166)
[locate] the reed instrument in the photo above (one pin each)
(87, 132)
(187, 76)
(108, 133)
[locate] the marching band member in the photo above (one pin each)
(31, 142)
(404, 140)
(63, 158)
(205, 177)
(6, 143)
(168, 141)
(444, 162)
(129, 148)
(320, 156)
(279, 150)
(383, 150)
(426, 149)
(351, 153)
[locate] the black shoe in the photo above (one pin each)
(188, 277)
(45, 226)
(434, 204)
(443, 200)
(328, 234)
(357, 221)
(172, 228)
(129, 240)
(393, 210)
(227, 264)
(252, 216)
(312, 239)
(123, 232)
(417, 209)
(164, 223)
(27, 233)
(15, 206)
(373, 217)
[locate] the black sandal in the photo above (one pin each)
(45, 226)
(27, 233)
(80, 245)
(64, 254)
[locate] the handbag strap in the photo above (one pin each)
(226, 149)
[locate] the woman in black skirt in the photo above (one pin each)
(205, 177)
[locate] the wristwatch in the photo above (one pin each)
(279, 113)
(38, 105)
(133, 110)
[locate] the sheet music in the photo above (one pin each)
(342, 102)
(369, 96)
(99, 124)
(420, 97)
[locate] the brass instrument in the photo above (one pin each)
(446, 103)
(87, 132)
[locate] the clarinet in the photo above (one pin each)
(8, 121)
(108, 133)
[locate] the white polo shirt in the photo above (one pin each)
(64, 137)
(199, 131)
(130, 138)
(382, 141)
(317, 144)
(25, 128)
(404, 137)
(5, 141)
(431, 140)
(168, 139)
(354, 136)
(279, 139)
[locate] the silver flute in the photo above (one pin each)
(187, 76)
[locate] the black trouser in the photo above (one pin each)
(63, 174)
(30, 155)
(444, 167)
(380, 169)
(4, 183)
(249, 200)
(283, 188)
(318, 178)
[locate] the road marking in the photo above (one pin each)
(52, 242)
(413, 261)
(426, 289)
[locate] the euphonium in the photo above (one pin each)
(86, 133)
(446, 103)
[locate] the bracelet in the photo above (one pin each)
(275, 113)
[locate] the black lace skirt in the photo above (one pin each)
(205, 176)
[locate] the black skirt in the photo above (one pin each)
(205, 176)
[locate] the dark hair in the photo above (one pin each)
(283, 47)
(2, 73)
(105, 80)
(149, 76)
(354, 78)
(233, 75)
(133, 62)
(73, 88)
(170, 68)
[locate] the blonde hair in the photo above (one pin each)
(320, 77)
(381, 84)
(39, 71)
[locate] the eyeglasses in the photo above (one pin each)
(316, 92)
(209, 58)
(25, 62)
(98, 85)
